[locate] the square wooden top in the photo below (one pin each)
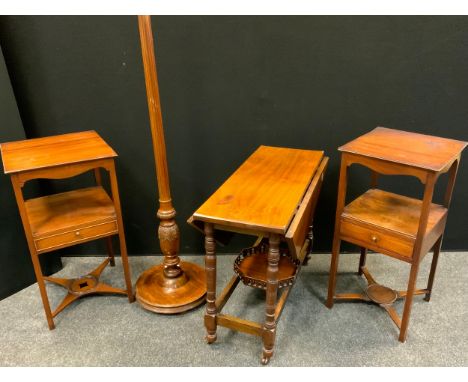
(412, 149)
(32, 154)
(264, 192)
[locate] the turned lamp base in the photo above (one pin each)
(157, 293)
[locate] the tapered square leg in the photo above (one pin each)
(362, 260)
(123, 245)
(435, 258)
(333, 271)
(110, 250)
(408, 301)
(42, 290)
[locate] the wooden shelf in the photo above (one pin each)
(252, 263)
(388, 223)
(392, 212)
(71, 217)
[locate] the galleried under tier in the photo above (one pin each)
(252, 263)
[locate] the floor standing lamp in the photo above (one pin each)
(173, 286)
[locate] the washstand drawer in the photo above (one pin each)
(377, 240)
(76, 236)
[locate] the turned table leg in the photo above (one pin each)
(269, 327)
(210, 269)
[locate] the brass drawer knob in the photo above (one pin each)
(374, 238)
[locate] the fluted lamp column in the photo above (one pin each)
(173, 286)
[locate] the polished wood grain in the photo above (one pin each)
(388, 223)
(265, 190)
(169, 302)
(169, 288)
(391, 212)
(59, 150)
(300, 228)
(274, 190)
(61, 220)
(73, 217)
(394, 225)
(407, 148)
(58, 213)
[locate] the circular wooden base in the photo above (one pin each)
(159, 294)
(381, 294)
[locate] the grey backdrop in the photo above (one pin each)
(229, 84)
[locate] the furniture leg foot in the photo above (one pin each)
(266, 358)
(51, 324)
(211, 338)
(210, 325)
(268, 345)
(408, 302)
(402, 337)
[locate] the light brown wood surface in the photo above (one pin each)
(265, 190)
(300, 227)
(73, 217)
(394, 225)
(58, 213)
(255, 267)
(392, 212)
(61, 220)
(33, 154)
(272, 195)
(412, 149)
(172, 287)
